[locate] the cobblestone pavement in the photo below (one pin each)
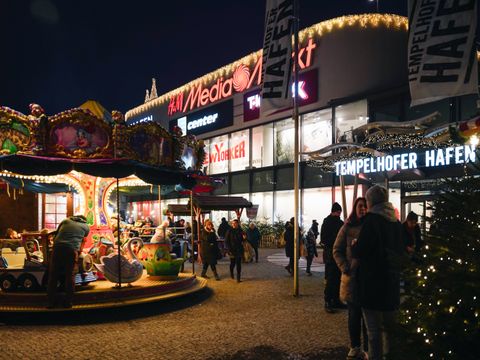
(256, 319)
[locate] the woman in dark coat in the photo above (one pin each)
(289, 242)
(209, 249)
(234, 241)
(253, 238)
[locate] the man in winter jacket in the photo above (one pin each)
(379, 249)
(67, 247)
(328, 233)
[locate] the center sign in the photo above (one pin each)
(432, 158)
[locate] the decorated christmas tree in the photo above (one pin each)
(440, 310)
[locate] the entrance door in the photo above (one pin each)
(419, 205)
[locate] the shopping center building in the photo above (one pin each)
(353, 70)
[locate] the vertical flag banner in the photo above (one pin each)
(441, 49)
(277, 56)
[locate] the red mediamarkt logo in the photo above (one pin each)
(241, 80)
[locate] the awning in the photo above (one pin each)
(229, 203)
(182, 209)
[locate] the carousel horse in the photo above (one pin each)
(131, 270)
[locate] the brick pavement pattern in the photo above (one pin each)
(232, 321)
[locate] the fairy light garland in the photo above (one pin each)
(363, 21)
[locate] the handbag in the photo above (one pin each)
(303, 250)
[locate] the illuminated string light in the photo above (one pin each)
(363, 21)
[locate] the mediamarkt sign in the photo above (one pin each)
(438, 157)
(241, 80)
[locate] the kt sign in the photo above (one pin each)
(242, 79)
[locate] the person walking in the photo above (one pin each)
(233, 239)
(67, 246)
(379, 249)
(342, 253)
(209, 249)
(223, 228)
(289, 238)
(253, 238)
(328, 233)
(311, 245)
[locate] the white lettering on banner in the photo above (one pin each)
(441, 50)
(206, 120)
(437, 157)
(277, 54)
(302, 93)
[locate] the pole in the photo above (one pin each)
(118, 237)
(344, 198)
(159, 206)
(296, 172)
(355, 190)
(191, 228)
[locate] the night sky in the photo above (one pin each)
(60, 53)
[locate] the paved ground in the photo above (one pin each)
(256, 319)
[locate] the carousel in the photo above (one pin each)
(92, 155)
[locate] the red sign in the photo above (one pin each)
(242, 79)
(219, 153)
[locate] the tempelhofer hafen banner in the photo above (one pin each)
(441, 49)
(432, 158)
(277, 55)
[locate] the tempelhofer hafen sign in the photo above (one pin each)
(437, 157)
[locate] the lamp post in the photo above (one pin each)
(376, 1)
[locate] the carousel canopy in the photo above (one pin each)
(83, 139)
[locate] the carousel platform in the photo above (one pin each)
(104, 294)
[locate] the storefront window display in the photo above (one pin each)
(217, 155)
(265, 208)
(239, 150)
(316, 130)
(262, 146)
(316, 205)
(284, 209)
(349, 117)
(284, 142)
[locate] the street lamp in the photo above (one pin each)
(374, 1)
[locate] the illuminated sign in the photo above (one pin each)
(307, 94)
(242, 79)
(206, 120)
(432, 158)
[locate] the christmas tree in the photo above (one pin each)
(439, 317)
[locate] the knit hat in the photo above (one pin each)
(336, 207)
(376, 194)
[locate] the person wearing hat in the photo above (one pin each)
(330, 227)
(67, 246)
(379, 248)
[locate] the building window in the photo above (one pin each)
(264, 200)
(239, 151)
(240, 183)
(284, 209)
(349, 117)
(262, 180)
(417, 112)
(55, 210)
(217, 155)
(316, 130)
(284, 142)
(206, 163)
(262, 146)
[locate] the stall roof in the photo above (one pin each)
(182, 209)
(221, 202)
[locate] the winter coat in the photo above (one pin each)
(208, 247)
(233, 240)
(223, 228)
(288, 236)
(253, 236)
(413, 239)
(311, 243)
(328, 233)
(348, 265)
(380, 248)
(71, 231)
